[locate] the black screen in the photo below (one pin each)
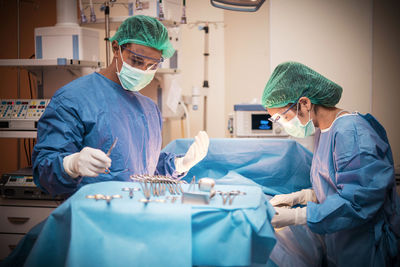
(261, 122)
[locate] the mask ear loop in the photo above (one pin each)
(116, 59)
(122, 59)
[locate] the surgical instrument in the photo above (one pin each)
(233, 194)
(106, 171)
(224, 196)
(130, 190)
(158, 184)
(112, 146)
(212, 193)
(192, 183)
(107, 198)
(229, 195)
(146, 191)
(172, 198)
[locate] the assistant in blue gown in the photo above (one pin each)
(92, 111)
(355, 219)
(352, 175)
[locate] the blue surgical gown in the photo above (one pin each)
(92, 111)
(352, 175)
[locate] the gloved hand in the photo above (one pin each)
(196, 152)
(88, 162)
(286, 216)
(292, 199)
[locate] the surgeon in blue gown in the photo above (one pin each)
(86, 116)
(351, 215)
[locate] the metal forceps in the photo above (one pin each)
(107, 171)
(229, 195)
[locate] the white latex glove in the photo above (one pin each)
(88, 162)
(292, 199)
(196, 152)
(284, 217)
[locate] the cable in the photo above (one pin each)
(26, 152)
(30, 84)
(30, 153)
(33, 147)
(29, 77)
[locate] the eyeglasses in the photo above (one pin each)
(144, 62)
(277, 116)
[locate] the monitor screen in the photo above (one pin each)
(261, 122)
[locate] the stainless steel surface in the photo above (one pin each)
(196, 198)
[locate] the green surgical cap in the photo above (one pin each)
(292, 80)
(147, 31)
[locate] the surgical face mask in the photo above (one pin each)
(294, 127)
(133, 79)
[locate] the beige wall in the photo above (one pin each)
(332, 37)
(246, 56)
(386, 70)
(355, 43)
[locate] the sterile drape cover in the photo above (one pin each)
(279, 166)
(83, 231)
(126, 232)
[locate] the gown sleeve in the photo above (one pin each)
(60, 132)
(363, 175)
(166, 165)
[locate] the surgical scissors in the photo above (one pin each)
(107, 171)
